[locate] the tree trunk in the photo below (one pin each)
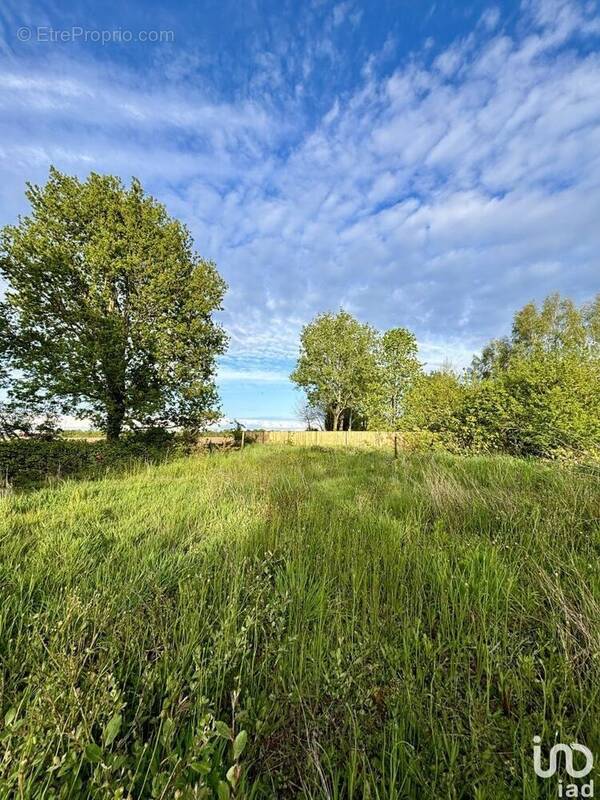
(114, 422)
(336, 420)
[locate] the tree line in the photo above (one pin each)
(108, 315)
(534, 392)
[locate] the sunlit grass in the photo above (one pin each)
(380, 629)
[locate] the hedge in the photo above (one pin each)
(27, 462)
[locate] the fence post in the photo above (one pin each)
(395, 446)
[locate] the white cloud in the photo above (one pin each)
(490, 18)
(273, 424)
(341, 11)
(438, 197)
(252, 375)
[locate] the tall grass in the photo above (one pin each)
(378, 629)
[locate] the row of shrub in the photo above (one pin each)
(548, 407)
(32, 462)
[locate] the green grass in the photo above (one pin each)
(379, 629)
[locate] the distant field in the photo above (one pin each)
(377, 628)
(89, 435)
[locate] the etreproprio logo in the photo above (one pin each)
(569, 789)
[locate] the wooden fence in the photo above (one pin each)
(377, 439)
(408, 441)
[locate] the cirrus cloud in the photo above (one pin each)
(441, 190)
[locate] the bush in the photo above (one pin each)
(482, 420)
(432, 401)
(556, 405)
(155, 437)
(27, 462)
(543, 406)
(420, 441)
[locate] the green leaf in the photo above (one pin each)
(112, 729)
(223, 792)
(223, 729)
(93, 752)
(233, 774)
(239, 744)
(10, 715)
(200, 767)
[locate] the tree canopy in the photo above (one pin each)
(108, 310)
(397, 370)
(337, 364)
(354, 375)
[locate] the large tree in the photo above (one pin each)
(337, 364)
(109, 310)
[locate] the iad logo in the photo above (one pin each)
(571, 789)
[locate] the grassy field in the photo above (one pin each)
(317, 624)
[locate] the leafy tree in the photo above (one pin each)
(557, 325)
(4, 342)
(108, 309)
(397, 369)
(337, 364)
(591, 316)
(494, 356)
(351, 419)
(19, 419)
(538, 391)
(482, 417)
(535, 392)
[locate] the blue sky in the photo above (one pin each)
(428, 164)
